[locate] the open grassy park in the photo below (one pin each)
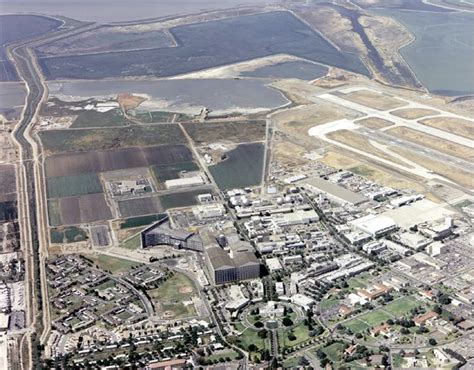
(172, 299)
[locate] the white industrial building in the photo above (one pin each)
(184, 182)
(273, 264)
(302, 301)
(208, 211)
(375, 226)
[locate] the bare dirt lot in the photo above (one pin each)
(7, 182)
(433, 142)
(374, 100)
(413, 113)
(83, 209)
(128, 101)
(232, 131)
(100, 161)
(374, 123)
(140, 206)
(456, 126)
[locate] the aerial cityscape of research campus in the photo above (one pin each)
(236, 184)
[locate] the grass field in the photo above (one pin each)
(250, 336)
(70, 234)
(169, 297)
(401, 306)
(171, 171)
(374, 100)
(55, 141)
(132, 243)
(374, 123)
(68, 186)
(92, 118)
(413, 113)
(375, 318)
(112, 264)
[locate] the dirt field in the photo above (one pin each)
(413, 113)
(128, 101)
(297, 121)
(374, 100)
(83, 209)
(288, 153)
(100, 161)
(374, 123)
(360, 142)
(371, 172)
(433, 142)
(7, 183)
(456, 126)
(296, 90)
(458, 176)
(235, 132)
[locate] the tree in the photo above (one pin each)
(432, 342)
(252, 348)
(258, 324)
(287, 321)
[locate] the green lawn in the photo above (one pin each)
(401, 306)
(375, 318)
(335, 351)
(250, 336)
(357, 283)
(301, 333)
(231, 354)
(113, 264)
(356, 326)
(327, 303)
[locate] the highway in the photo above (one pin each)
(31, 197)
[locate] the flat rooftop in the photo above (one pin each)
(334, 190)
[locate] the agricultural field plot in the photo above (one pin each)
(16, 28)
(107, 38)
(92, 118)
(242, 168)
(206, 45)
(84, 209)
(173, 297)
(402, 306)
(70, 234)
(433, 142)
(68, 186)
(8, 211)
(373, 99)
(54, 212)
(183, 198)
(453, 125)
(100, 235)
(141, 221)
(139, 206)
(172, 171)
(235, 131)
(56, 141)
(7, 183)
(374, 123)
(414, 113)
(68, 164)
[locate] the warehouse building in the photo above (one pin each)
(375, 226)
(160, 233)
(335, 192)
(228, 267)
